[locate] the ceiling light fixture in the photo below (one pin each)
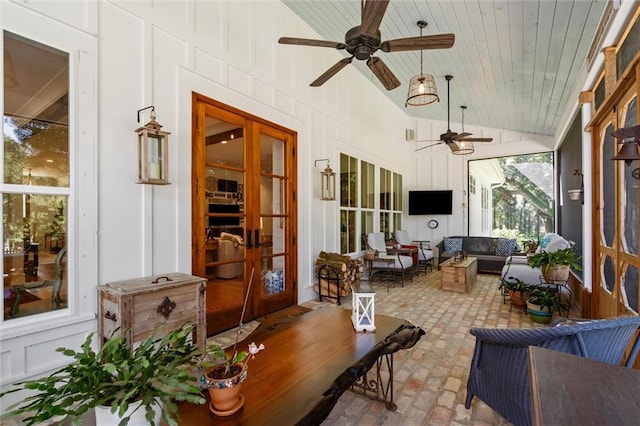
(422, 87)
(464, 147)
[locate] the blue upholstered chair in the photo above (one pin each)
(499, 374)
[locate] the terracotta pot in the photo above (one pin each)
(518, 298)
(556, 274)
(225, 392)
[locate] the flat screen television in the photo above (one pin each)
(224, 208)
(430, 202)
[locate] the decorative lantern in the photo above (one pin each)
(153, 152)
(363, 308)
(327, 182)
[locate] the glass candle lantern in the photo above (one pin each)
(153, 153)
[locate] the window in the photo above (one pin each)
(516, 197)
(360, 175)
(36, 177)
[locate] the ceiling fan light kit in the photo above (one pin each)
(422, 87)
(362, 41)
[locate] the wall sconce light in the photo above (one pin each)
(629, 138)
(153, 151)
(327, 182)
(577, 194)
(363, 308)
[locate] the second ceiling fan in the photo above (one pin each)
(364, 40)
(457, 142)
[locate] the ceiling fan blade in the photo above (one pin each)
(439, 41)
(331, 72)
(475, 139)
(453, 146)
(372, 15)
(458, 136)
(311, 42)
(428, 146)
(384, 74)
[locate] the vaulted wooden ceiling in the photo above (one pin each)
(515, 63)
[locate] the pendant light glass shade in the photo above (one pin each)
(464, 148)
(422, 90)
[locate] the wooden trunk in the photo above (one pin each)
(459, 276)
(152, 305)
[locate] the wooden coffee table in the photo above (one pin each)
(459, 276)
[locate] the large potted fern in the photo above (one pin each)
(144, 382)
(555, 265)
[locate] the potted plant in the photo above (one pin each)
(517, 291)
(555, 265)
(130, 382)
(225, 371)
(543, 302)
(224, 377)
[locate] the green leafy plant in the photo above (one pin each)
(515, 284)
(560, 257)
(517, 289)
(548, 299)
(156, 373)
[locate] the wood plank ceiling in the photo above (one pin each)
(515, 62)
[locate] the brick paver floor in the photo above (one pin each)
(431, 378)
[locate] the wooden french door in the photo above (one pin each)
(617, 266)
(243, 213)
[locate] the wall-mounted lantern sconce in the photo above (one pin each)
(327, 182)
(577, 194)
(153, 151)
(629, 138)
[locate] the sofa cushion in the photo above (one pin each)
(452, 245)
(506, 247)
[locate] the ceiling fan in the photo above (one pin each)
(455, 141)
(364, 40)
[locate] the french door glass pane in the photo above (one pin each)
(607, 182)
(631, 288)
(225, 217)
(631, 190)
(271, 234)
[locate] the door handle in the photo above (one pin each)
(249, 245)
(257, 234)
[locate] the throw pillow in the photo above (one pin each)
(452, 245)
(546, 239)
(506, 247)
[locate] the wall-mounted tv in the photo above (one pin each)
(430, 202)
(224, 208)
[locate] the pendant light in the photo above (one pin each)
(422, 87)
(464, 147)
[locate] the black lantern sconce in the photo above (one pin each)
(327, 182)
(153, 151)
(577, 194)
(629, 138)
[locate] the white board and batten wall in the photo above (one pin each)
(129, 55)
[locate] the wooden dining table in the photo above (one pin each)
(307, 364)
(572, 390)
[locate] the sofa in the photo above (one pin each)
(491, 252)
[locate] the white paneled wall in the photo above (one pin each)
(158, 53)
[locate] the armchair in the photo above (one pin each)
(517, 267)
(499, 373)
(401, 264)
(425, 255)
